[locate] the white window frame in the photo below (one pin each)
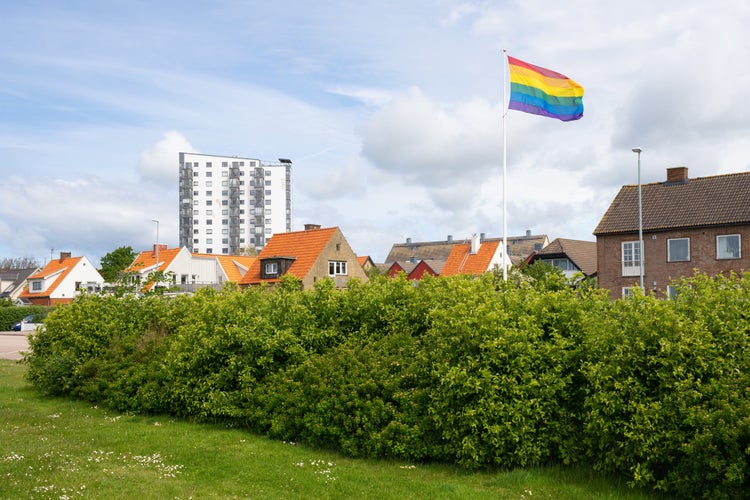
(670, 258)
(721, 237)
(337, 268)
(36, 286)
(627, 291)
(631, 266)
(272, 268)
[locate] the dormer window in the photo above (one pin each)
(274, 267)
(36, 286)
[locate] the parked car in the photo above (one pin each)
(17, 325)
(30, 322)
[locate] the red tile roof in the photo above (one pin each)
(461, 261)
(146, 259)
(303, 246)
(235, 266)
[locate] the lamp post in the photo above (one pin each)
(637, 151)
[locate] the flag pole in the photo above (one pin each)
(505, 143)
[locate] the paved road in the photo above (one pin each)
(12, 344)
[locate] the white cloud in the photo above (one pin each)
(158, 163)
(429, 142)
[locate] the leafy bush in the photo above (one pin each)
(668, 390)
(478, 371)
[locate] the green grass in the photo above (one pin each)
(58, 448)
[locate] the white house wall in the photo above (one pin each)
(83, 272)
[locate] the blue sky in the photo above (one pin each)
(391, 112)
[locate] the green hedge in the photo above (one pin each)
(478, 372)
(13, 314)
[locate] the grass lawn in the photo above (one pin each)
(57, 448)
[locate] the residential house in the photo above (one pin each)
(61, 281)
(476, 257)
(366, 262)
(404, 266)
(688, 224)
(571, 256)
(416, 251)
(424, 267)
(519, 248)
(309, 255)
(188, 271)
(14, 281)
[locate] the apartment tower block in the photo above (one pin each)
(229, 204)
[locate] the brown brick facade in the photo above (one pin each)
(658, 273)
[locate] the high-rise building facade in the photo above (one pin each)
(230, 204)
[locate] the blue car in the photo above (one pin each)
(17, 325)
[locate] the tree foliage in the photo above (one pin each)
(115, 262)
(13, 263)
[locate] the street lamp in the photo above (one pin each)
(640, 217)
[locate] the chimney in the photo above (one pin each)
(528, 233)
(408, 241)
(310, 227)
(158, 248)
(474, 244)
(677, 175)
(481, 237)
(64, 255)
(450, 237)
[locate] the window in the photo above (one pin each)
(209, 231)
(195, 193)
(209, 222)
(196, 240)
(728, 246)
(209, 202)
(268, 183)
(209, 184)
(195, 174)
(628, 291)
(196, 212)
(672, 292)
(195, 231)
(209, 241)
(336, 268)
(195, 183)
(209, 193)
(209, 174)
(678, 250)
(272, 268)
(36, 286)
(209, 212)
(631, 258)
(268, 211)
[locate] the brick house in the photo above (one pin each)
(698, 224)
(309, 255)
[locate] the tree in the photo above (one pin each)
(13, 263)
(115, 262)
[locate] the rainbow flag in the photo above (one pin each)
(541, 91)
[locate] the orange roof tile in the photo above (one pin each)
(146, 259)
(461, 261)
(303, 246)
(235, 266)
(61, 266)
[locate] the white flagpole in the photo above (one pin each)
(505, 143)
